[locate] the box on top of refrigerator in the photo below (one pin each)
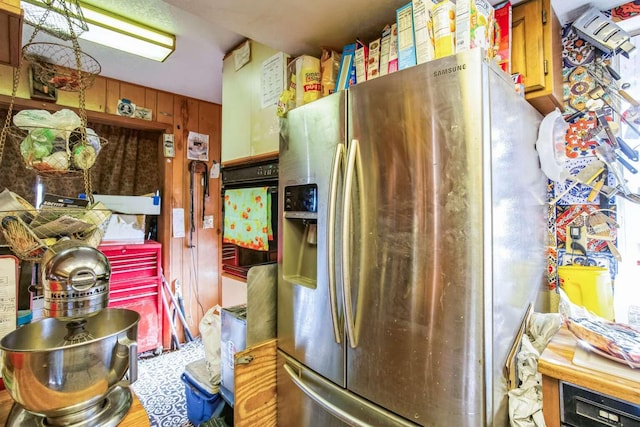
(406, 40)
(423, 30)
(443, 16)
(474, 25)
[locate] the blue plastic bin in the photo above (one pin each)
(201, 404)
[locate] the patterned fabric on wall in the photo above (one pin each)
(126, 165)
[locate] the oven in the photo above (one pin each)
(581, 407)
(237, 258)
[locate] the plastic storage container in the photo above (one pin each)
(589, 287)
(203, 399)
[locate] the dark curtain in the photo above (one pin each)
(126, 165)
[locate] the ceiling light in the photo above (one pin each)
(111, 30)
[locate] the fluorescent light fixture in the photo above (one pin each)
(117, 32)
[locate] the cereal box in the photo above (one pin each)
(474, 24)
(406, 41)
(502, 36)
(423, 30)
(443, 16)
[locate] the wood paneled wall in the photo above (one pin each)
(197, 267)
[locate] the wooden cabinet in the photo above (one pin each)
(136, 284)
(255, 386)
(556, 364)
(10, 32)
(249, 130)
(537, 53)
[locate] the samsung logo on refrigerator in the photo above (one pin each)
(449, 70)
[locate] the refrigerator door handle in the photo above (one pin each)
(338, 160)
(321, 400)
(341, 403)
(346, 241)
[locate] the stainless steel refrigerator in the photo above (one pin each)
(413, 229)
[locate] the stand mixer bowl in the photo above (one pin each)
(55, 368)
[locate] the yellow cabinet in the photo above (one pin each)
(249, 129)
(537, 53)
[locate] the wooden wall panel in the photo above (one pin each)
(164, 108)
(113, 96)
(150, 100)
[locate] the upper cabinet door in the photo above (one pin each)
(527, 55)
(10, 32)
(537, 53)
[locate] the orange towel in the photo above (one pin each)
(247, 218)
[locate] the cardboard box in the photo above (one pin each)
(373, 63)
(124, 229)
(360, 62)
(474, 25)
(443, 16)
(406, 41)
(233, 338)
(502, 36)
(347, 71)
(143, 205)
(423, 30)
(385, 45)
(393, 49)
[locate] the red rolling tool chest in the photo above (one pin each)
(136, 284)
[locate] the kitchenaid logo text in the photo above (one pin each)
(449, 70)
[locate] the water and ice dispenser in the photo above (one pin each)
(300, 234)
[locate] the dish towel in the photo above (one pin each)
(247, 218)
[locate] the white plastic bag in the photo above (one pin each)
(210, 331)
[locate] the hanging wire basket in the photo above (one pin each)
(57, 152)
(60, 18)
(30, 232)
(61, 66)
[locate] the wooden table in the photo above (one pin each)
(137, 416)
(556, 364)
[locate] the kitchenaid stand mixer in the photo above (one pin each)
(67, 369)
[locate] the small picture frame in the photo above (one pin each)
(41, 90)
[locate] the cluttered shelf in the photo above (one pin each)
(92, 116)
(557, 364)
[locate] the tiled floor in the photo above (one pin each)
(160, 388)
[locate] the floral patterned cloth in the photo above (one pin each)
(247, 218)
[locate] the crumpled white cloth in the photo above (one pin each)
(525, 402)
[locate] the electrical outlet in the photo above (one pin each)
(207, 221)
(576, 234)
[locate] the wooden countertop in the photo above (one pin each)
(556, 362)
(137, 416)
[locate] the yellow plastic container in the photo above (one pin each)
(589, 287)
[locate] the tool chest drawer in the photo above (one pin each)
(136, 284)
(133, 261)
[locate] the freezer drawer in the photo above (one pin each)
(305, 399)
